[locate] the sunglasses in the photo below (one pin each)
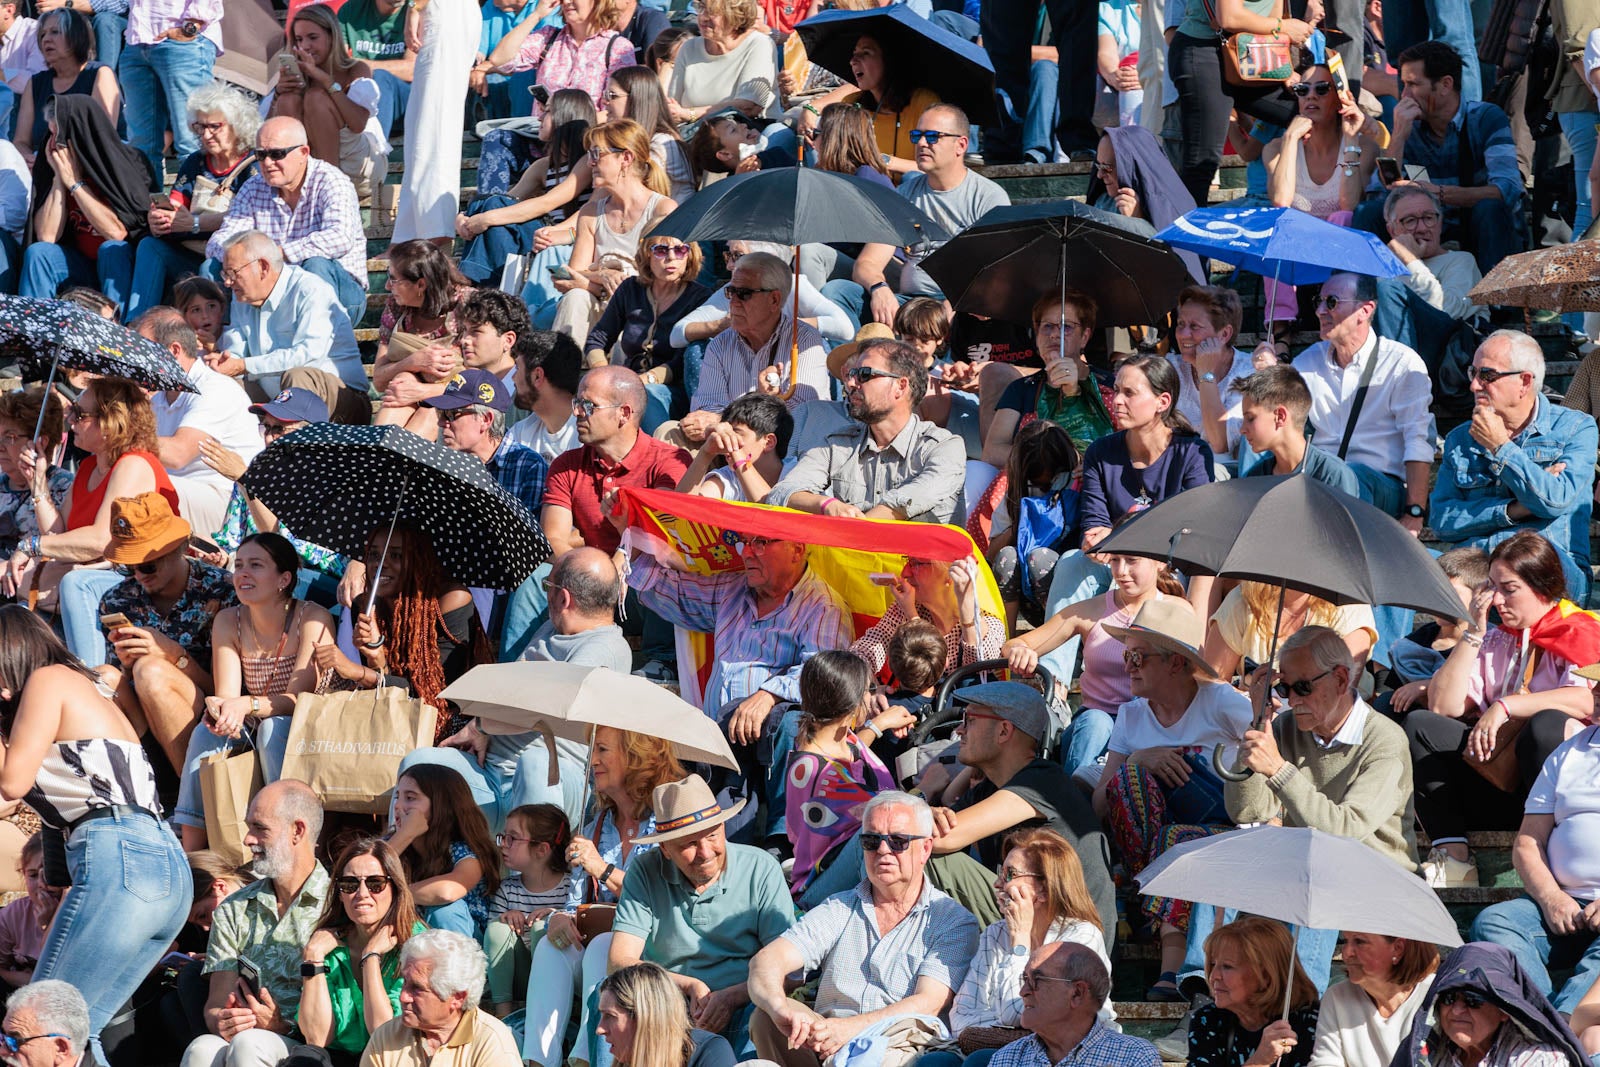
(662, 250)
(743, 292)
(128, 570)
(1327, 303)
(863, 375)
(1135, 657)
(1488, 375)
(452, 416)
(600, 150)
(897, 843)
(277, 155)
(586, 408)
(1471, 1000)
(969, 717)
(1302, 688)
(930, 136)
(78, 414)
(349, 885)
(13, 1044)
(1305, 89)
(1007, 874)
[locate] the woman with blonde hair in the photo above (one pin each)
(1242, 627)
(1250, 964)
(334, 95)
(731, 64)
(645, 1020)
(631, 196)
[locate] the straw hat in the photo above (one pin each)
(686, 807)
(1170, 624)
(144, 528)
(872, 331)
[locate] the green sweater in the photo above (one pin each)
(1361, 791)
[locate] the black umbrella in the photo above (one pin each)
(1294, 532)
(928, 56)
(54, 333)
(1012, 256)
(796, 205)
(333, 485)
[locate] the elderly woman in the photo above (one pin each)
(66, 43)
(226, 122)
(946, 595)
(442, 975)
(582, 53)
(1505, 698)
(1250, 965)
(1485, 1011)
(30, 495)
(644, 1020)
(91, 197)
(731, 63)
(1133, 178)
(1365, 1019)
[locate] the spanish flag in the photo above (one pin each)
(1568, 631)
(704, 533)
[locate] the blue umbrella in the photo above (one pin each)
(1281, 243)
(930, 56)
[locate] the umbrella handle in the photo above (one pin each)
(1226, 773)
(794, 333)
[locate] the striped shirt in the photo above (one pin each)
(325, 222)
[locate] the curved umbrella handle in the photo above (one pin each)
(1225, 772)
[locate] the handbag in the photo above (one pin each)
(347, 746)
(1253, 59)
(595, 918)
(1502, 769)
(228, 779)
(976, 1038)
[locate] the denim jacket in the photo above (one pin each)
(1475, 488)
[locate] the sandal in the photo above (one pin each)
(1165, 991)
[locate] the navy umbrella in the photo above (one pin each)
(333, 485)
(933, 57)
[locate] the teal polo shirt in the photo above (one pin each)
(711, 935)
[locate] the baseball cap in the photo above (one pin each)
(294, 405)
(1020, 705)
(472, 386)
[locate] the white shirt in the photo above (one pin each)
(1219, 714)
(300, 324)
(531, 432)
(19, 54)
(16, 188)
(1395, 427)
(1568, 787)
(221, 410)
(1351, 1033)
(991, 994)
(1232, 402)
(1444, 281)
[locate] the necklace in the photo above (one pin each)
(265, 674)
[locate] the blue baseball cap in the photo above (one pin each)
(473, 386)
(294, 405)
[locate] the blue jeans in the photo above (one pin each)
(1383, 491)
(657, 407)
(158, 79)
(499, 787)
(1076, 577)
(526, 610)
(393, 95)
(10, 262)
(156, 263)
(1578, 127)
(47, 267)
(8, 111)
(130, 896)
(110, 28)
(486, 253)
(852, 299)
(1039, 125)
(1519, 925)
(1449, 21)
(452, 916)
(271, 742)
(1314, 947)
(79, 598)
(1084, 740)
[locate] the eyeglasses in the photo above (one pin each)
(931, 136)
(203, 128)
(897, 843)
(1055, 327)
(1009, 875)
(277, 155)
(13, 1044)
(510, 839)
(1488, 375)
(1305, 89)
(662, 250)
(863, 375)
(1472, 1000)
(743, 292)
(230, 275)
(76, 414)
(1302, 688)
(585, 408)
(612, 94)
(1411, 222)
(349, 885)
(1329, 303)
(448, 417)
(9, 439)
(1030, 979)
(601, 150)
(758, 543)
(969, 717)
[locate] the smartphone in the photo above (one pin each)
(560, 272)
(250, 975)
(160, 202)
(1341, 82)
(287, 63)
(1388, 170)
(880, 578)
(541, 94)
(116, 621)
(201, 545)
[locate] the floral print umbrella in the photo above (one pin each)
(45, 335)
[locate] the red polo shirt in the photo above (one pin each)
(581, 476)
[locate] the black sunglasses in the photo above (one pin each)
(277, 155)
(1467, 997)
(1305, 89)
(1488, 375)
(1302, 688)
(863, 375)
(898, 843)
(349, 884)
(743, 292)
(128, 570)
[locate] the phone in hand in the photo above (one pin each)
(202, 546)
(561, 273)
(250, 976)
(116, 621)
(882, 578)
(160, 202)
(1388, 170)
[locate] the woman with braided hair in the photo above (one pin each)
(423, 631)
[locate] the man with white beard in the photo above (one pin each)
(258, 935)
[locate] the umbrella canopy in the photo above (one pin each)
(333, 485)
(1295, 531)
(40, 333)
(569, 700)
(931, 56)
(1282, 243)
(1013, 255)
(1304, 877)
(1564, 278)
(797, 205)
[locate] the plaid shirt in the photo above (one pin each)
(520, 471)
(873, 646)
(1099, 1048)
(326, 222)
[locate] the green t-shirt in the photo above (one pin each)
(349, 1007)
(370, 34)
(1196, 24)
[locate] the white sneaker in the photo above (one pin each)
(1443, 871)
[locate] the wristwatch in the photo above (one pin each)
(1019, 950)
(311, 970)
(335, 87)
(183, 662)
(1415, 511)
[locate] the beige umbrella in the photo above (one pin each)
(1564, 278)
(569, 701)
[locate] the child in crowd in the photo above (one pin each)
(1042, 468)
(751, 440)
(1418, 657)
(1274, 405)
(731, 144)
(444, 841)
(25, 921)
(538, 882)
(205, 308)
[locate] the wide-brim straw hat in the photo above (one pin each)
(872, 331)
(686, 807)
(1172, 626)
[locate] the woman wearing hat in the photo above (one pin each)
(1158, 788)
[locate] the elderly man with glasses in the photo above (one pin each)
(1062, 990)
(1421, 309)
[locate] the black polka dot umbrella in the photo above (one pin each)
(45, 334)
(333, 485)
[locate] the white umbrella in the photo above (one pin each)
(569, 701)
(1303, 877)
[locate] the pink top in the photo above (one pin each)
(20, 937)
(564, 64)
(1104, 681)
(1500, 667)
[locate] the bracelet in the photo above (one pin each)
(365, 956)
(814, 111)
(1470, 638)
(605, 875)
(74, 187)
(831, 500)
(1277, 27)
(875, 286)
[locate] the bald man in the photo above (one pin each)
(305, 205)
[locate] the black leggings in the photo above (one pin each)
(1204, 101)
(1452, 798)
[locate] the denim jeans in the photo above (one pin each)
(79, 598)
(452, 916)
(110, 27)
(10, 263)
(156, 264)
(1449, 21)
(851, 298)
(499, 787)
(271, 741)
(393, 95)
(1383, 491)
(1039, 125)
(1578, 127)
(1084, 740)
(1406, 318)
(1314, 947)
(486, 253)
(130, 896)
(157, 79)
(1519, 925)
(47, 267)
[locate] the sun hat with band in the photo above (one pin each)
(144, 528)
(1171, 625)
(872, 331)
(686, 807)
